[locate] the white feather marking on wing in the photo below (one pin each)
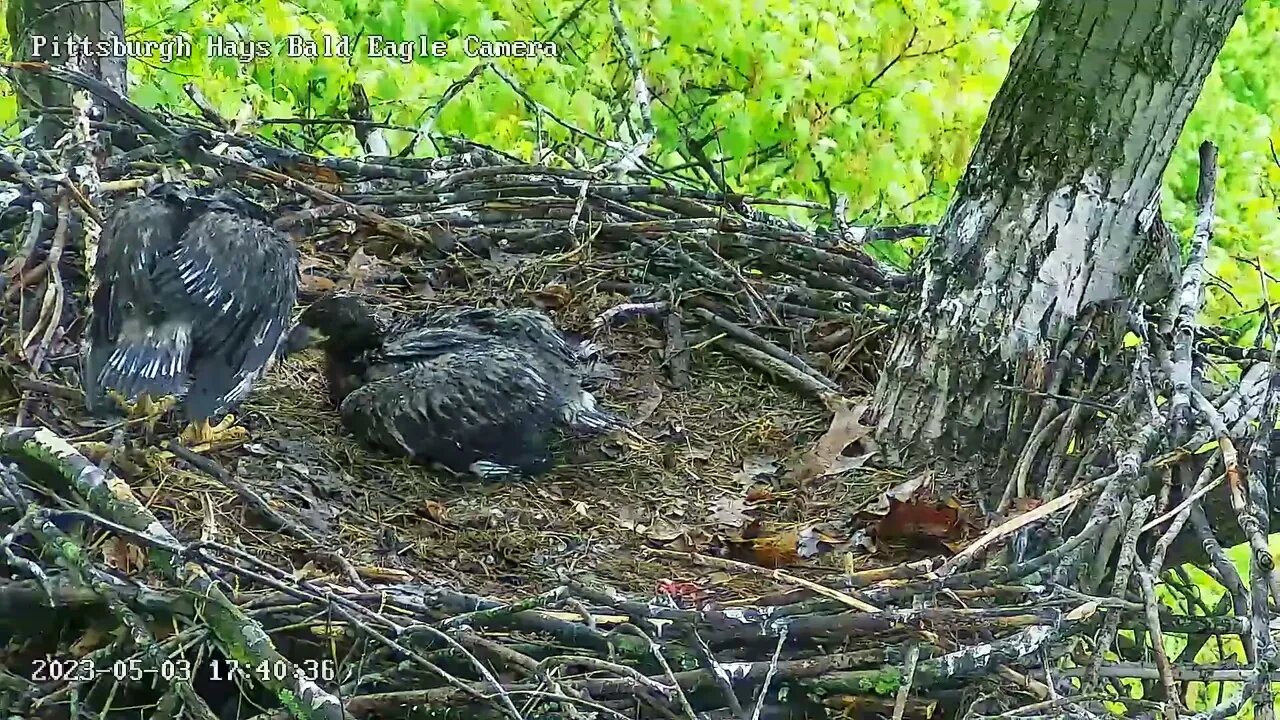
(487, 469)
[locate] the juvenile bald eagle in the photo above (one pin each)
(193, 302)
(486, 391)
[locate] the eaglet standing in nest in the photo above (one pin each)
(477, 390)
(193, 302)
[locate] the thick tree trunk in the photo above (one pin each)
(33, 27)
(1053, 220)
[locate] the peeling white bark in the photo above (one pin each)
(1052, 214)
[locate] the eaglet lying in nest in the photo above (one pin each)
(479, 390)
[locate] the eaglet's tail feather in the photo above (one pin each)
(152, 361)
(583, 417)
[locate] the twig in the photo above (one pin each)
(1191, 297)
(251, 498)
(778, 575)
(773, 668)
(778, 368)
(629, 158)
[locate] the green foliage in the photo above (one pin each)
(881, 101)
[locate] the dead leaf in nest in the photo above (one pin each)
(552, 297)
(828, 457)
(755, 468)
(919, 520)
(646, 408)
(123, 556)
(629, 518)
(435, 512)
(582, 508)
(381, 574)
(659, 529)
(663, 530)
(862, 540)
(814, 541)
(774, 551)
(730, 512)
(900, 493)
(690, 541)
(308, 572)
(315, 284)
(314, 173)
(759, 494)
(361, 268)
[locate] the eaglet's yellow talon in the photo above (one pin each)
(202, 435)
(146, 409)
(93, 450)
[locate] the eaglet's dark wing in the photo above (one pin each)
(242, 278)
(530, 329)
(487, 406)
(138, 337)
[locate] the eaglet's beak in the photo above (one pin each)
(302, 337)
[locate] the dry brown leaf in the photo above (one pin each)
(755, 468)
(730, 512)
(552, 297)
(360, 268)
(815, 541)
(307, 572)
(123, 556)
(775, 551)
(652, 399)
(918, 520)
(663, 530)
(381, 574)
(904, 491)
(314, 173)
(1025, 504)
(435, 511)
(827, 456)
(630, 518)
(315, 283)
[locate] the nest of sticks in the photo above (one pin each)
(745, 558)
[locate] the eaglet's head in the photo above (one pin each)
(339, 322)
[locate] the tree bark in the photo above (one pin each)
(1054, 221)
(30, 20)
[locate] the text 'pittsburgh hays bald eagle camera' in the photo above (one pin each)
(193, 304)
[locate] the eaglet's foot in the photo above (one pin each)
(202, 435)
(147, 409)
